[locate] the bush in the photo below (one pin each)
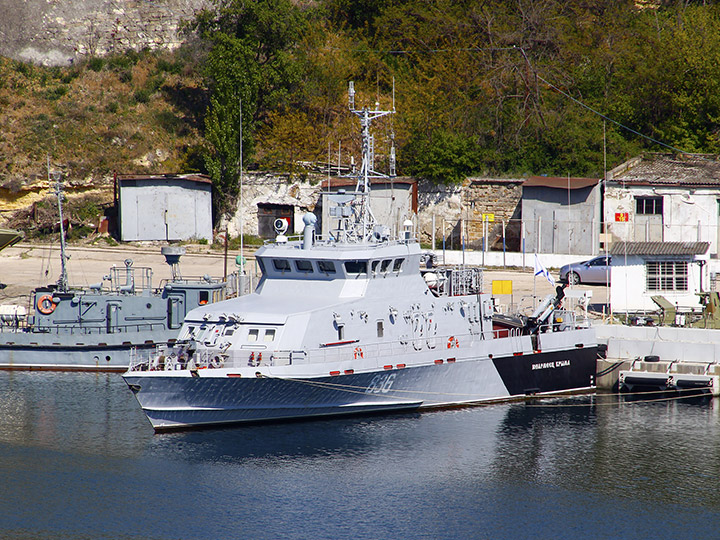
(56, 93)
(142, 95)
(96, 63)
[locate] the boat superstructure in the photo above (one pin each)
(96, 327)
(356, 323)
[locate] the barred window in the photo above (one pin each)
(667, 275)
(649, 205)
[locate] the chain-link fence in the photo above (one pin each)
(578, 237)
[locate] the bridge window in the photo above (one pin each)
(398, 265)
(356, 267)
(304, 266)
(281, 265)
(328, 267)
(385, 265)
(253, 334)
(269, 335)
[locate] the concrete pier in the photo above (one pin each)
(678, 353)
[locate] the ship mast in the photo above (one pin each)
(62, 283)
(365, 217)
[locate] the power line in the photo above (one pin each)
(548, 83)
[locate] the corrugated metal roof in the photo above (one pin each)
(340, 181)
(560, 182)
(660, 248)
(201, 178)
(479, 180)
(671, 169)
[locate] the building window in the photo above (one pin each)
(667, 275)
(649, 205)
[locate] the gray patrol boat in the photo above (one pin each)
(357, 323)
(95, 328)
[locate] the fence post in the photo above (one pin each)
(538, 236)
(503, 233)
(443, 225)
(522, 236)
(433, 232)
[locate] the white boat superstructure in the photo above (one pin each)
(356, 323)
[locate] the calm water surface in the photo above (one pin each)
(79, 460)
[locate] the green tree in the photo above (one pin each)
(251, 66)
(228, 122)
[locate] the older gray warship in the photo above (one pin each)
(95, 328)
(356, 323)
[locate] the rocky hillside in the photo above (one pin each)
(136, 113)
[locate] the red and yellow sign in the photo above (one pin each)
(622, 216)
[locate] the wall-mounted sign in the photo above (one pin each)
(622, 216)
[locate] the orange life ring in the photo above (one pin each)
(452, 342)
(358, 353)
(45, 304)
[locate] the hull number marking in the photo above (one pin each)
(381, 384)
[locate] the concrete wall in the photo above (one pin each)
(688, 215)
(669, 343)
(58, 32)
(561, 221)
(165, 210)
(265, 188)
(391, 205)
(458, 212)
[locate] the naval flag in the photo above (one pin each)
(541, 270)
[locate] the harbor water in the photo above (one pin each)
(80, 461)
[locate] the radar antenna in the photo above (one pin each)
(364, 215)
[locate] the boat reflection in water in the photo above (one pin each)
(79, 458)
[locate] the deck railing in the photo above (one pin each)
(447, 347)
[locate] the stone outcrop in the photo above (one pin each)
(59, 32)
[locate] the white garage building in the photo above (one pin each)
(165, 207)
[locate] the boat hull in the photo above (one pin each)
(213, 397)
(92, 352)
